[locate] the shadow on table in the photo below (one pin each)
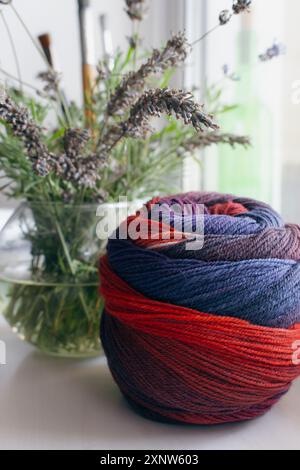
(72, 402)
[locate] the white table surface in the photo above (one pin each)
(48, 403)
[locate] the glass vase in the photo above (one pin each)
(49, 276)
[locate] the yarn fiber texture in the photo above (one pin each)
(203, 336)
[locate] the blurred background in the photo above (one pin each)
(266, 95)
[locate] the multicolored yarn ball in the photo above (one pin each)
(206, 335)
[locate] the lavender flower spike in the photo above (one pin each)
(239, 6)
(224, 17)
(135, 9)
(24, 128)
(155, 102)
(272, 52)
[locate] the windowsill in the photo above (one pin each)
(49, 403)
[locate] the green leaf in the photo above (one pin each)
(57, 135)
(227, 108)
(166, 78)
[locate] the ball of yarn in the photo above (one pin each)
(206, 335)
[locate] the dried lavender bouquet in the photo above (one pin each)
(65, 171)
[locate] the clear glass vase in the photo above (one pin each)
(49, 276)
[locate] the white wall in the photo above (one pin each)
(267, 19)
(59, 17)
